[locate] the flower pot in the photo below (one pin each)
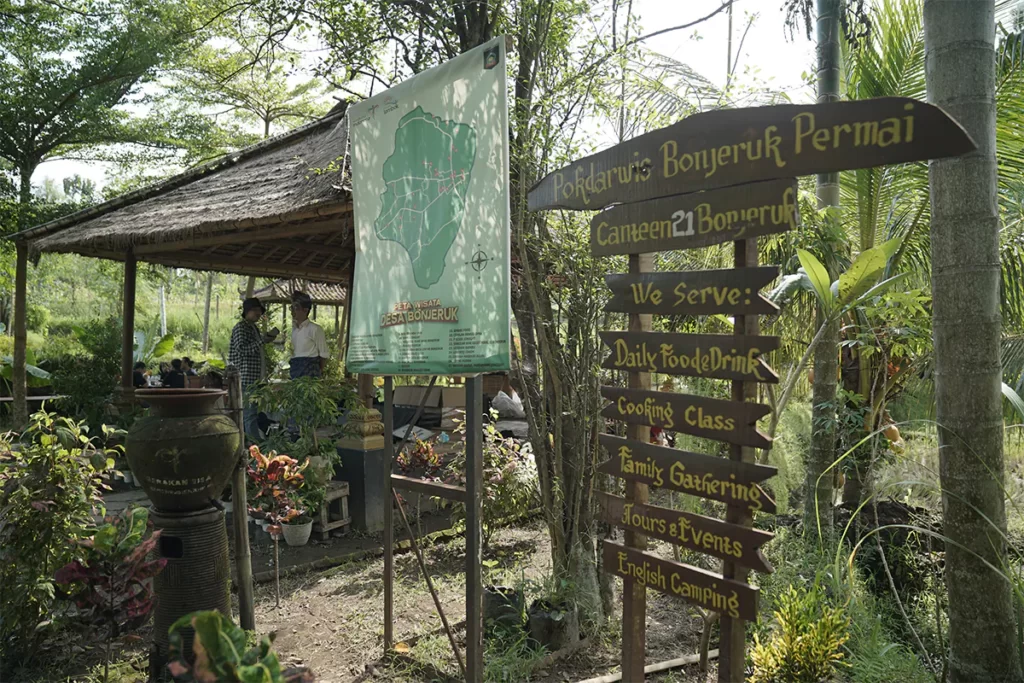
(503, 607)
(297, 534)
(553, 625)
(127, 476)
(183, 453)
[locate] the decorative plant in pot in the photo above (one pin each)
(276, 483)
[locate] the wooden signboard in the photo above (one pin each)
(701, 587)
(719, 356)
(706, 476)
(733, 146)
(704, 534)
(699, 292)
(699, 219)
(729, 421)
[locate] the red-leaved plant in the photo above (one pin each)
(274, 483)
(112, 583)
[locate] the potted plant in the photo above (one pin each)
(296, 524)
(279, 495)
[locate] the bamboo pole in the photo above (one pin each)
(18, 374)
(240, 508)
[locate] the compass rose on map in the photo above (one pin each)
(479, 260)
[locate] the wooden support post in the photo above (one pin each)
(250, 286)
(389, 527)
(18, 374)
(474, 529)
(337, 321)
(732, 644)
(634, 594)
(128, 326)
(240, 508)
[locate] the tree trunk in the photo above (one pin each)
(823, 435)
(818, 488)
(25, 194)
(206, 313)
(18, 374)
(960, 72)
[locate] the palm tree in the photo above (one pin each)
(818, 506)
(960, 66)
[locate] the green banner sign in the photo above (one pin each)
(431, 213)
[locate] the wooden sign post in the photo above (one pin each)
(712, 178)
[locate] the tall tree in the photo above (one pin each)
(818, 506)
(960, 70)
(68, 67)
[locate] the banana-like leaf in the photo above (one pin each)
(818, 277)
(1014, 398)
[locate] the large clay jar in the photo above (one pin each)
(184, 451)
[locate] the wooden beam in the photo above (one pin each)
(243, 236)
(430, 488)
(634, 593)
(128, 328)
(251, 267)
(239, 505)
(315, 247)
(18, 374)
(732, 641)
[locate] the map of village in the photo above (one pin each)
(426, 181)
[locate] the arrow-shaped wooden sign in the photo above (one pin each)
(701, 587)
(700, 292)
(719, 356)
(730, 542)
(711, 418)
(734, 146)
(706, 476)
(698, 219)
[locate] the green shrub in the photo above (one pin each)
(49, 490)
(89, 379)
(807, 640)
(37, 318)
(6, 345)
(510, 477)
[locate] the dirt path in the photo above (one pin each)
(332, 621)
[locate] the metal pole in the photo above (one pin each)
(474, 529)
(240, 508)
(389, 529)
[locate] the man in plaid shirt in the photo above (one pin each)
(246, 354)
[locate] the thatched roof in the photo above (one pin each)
(322, 293)
(265, 210)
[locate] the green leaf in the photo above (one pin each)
(104, 538)
(818, 276)
(1014, 398)
(164, 346)
(861, 274)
